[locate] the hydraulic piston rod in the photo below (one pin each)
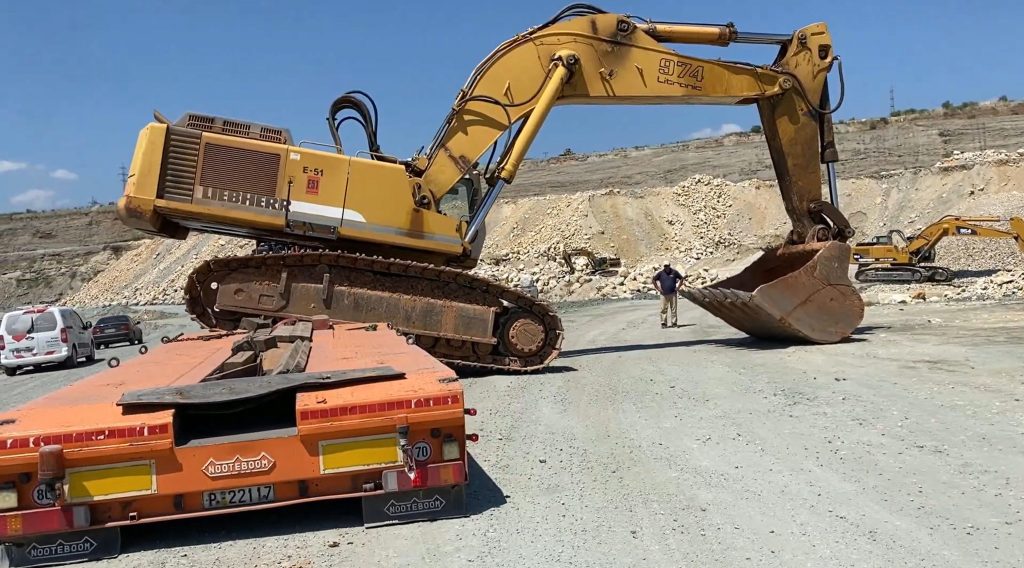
(833, 186)
(507, 172)
(709, 34)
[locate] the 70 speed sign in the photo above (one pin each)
(421, 451)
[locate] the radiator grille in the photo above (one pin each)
(232, 127)
(179, 168)
(240, 169)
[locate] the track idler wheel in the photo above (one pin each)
(939, 275)
(522, 334)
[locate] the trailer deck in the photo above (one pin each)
(165, 436)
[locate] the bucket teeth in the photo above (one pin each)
(797, 293)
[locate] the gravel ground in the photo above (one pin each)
(699, 446)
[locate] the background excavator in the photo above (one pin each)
(388, 239)
(893, 257)
(595, 265)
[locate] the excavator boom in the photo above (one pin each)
(389, 239)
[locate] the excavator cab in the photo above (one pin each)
(461, 202)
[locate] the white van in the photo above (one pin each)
(39, 335)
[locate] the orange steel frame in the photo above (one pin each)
(93, 430)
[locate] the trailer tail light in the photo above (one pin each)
(435, 475)
(470, 411)
(473, 437)
(64, 335)
(44, 521)
(419, 478)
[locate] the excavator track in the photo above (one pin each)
(463, 320)
(903, 274)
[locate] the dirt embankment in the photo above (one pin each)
(706, 226)
(46, 255)
(643, 205)
(866, 148)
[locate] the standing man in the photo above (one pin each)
(666, 281)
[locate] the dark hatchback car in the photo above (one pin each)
(116, 329)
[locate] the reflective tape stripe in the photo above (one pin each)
(359, 226)
(364, 452)
(110, 481)
(379, 407)
(325, 210)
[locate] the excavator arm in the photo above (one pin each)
(611, 59)
(953, 226)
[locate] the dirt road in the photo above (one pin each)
(698, 446)
(157, 321)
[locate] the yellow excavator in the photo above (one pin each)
(371, 237)
(895, 258)
(596, 265)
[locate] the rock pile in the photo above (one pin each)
(966, 160)
(154, 271)
(1002, 285)
(706, 226)
(685, 224)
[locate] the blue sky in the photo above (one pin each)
(81, 78)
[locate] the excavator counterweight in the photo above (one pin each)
(371, 237)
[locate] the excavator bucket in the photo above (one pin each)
(797, 293)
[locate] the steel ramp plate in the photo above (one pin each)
(229, 390)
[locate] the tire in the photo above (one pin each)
(10, 371)
(72, 361)
(91, 357)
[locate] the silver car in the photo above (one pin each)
(40, 335)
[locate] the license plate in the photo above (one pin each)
(239, 496)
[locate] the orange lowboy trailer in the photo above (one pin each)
(164, 436)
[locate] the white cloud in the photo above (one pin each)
(9, 166)
(727, 128)
(63, 174)
(34, 199)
